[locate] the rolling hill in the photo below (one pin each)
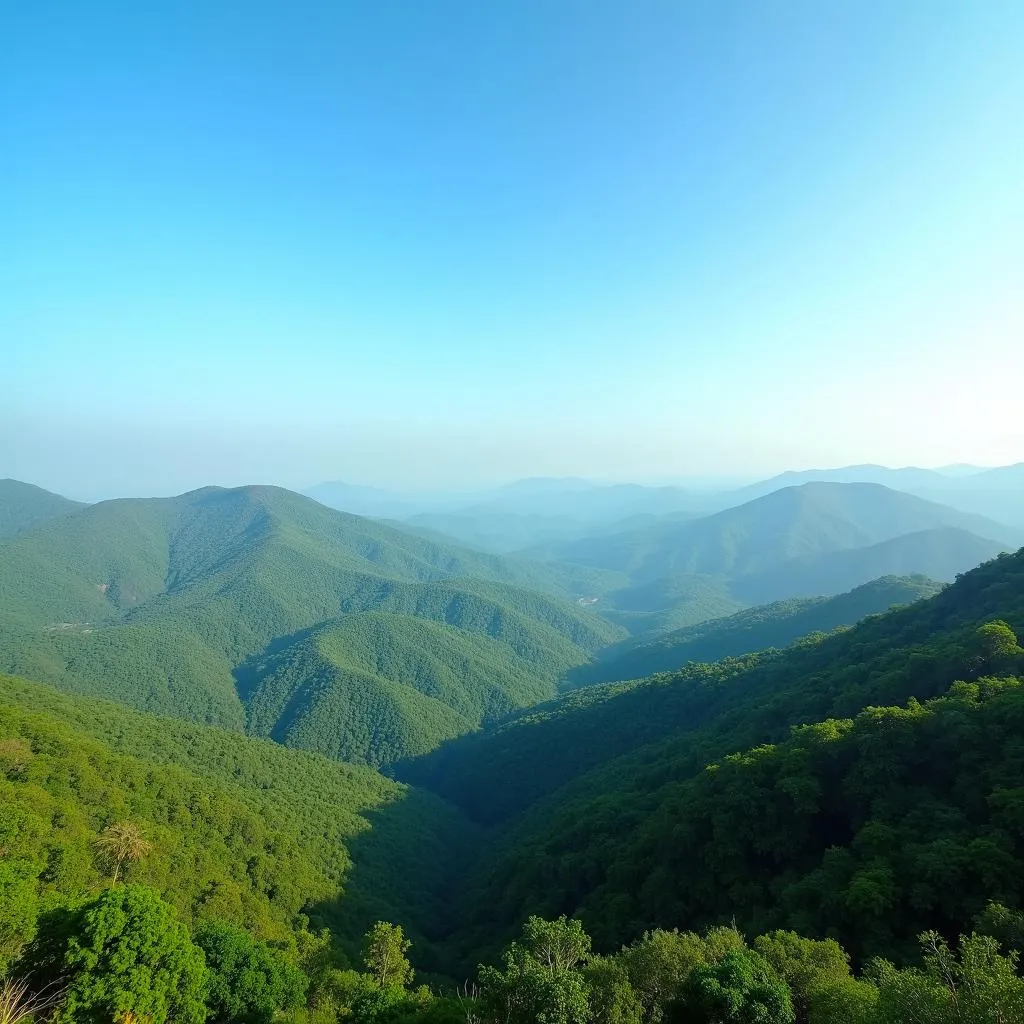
(157, 602)
(753, 629)
(23, 506)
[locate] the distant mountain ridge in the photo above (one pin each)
(787, 543)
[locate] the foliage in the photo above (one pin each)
(738, 989)
(869, 824)
(23, 506)
(542, 980)
(243, 830)
(247, 980)
(807, 966)
(976, 984)
(128, 955)
(122, 841)
(384, 952)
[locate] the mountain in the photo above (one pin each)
(23, 506)
(998, 493)
(910, 478)
(754, 629)
(602, 803)
(995, 493)
(159, 602)
(779, 545)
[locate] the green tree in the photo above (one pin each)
(247, 981)
(978, 986)
(1004, 925)
(120, 842)
(998, 646)
(542, 981)
(806, 965)
(384, 949)
(741, 988)
(659, 963)
(612, 999)
(843, 1001)
(129, 956)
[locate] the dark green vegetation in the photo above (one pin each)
(872, 825)
(23, 506)
(803, 541)
(328, 623)
(754, 629)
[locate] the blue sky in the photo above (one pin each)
(433, 243)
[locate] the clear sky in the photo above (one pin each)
(438, 242)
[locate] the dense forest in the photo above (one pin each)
(822, 825)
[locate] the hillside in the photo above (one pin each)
(574, 785)
(377, 686)
(23, 506)
(754, 629)
(158, 603)
(242, 830)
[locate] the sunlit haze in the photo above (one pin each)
(450, 244)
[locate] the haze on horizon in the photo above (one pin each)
(455, 244)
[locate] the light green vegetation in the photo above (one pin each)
(160, 603)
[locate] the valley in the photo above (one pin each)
(685, 723)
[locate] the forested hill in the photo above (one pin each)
(753, 629)
(23, 506)
(172, 605)
(714, 708)
(588, 788)
(239, 830)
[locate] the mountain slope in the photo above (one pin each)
(754, 629)
(378, 686)
(242, 830)
(572, 783)
(157, 602)
(23, 506)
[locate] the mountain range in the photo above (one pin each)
(161, 602)
(608, 731)
(817, 538)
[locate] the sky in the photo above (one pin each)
(437, 243)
